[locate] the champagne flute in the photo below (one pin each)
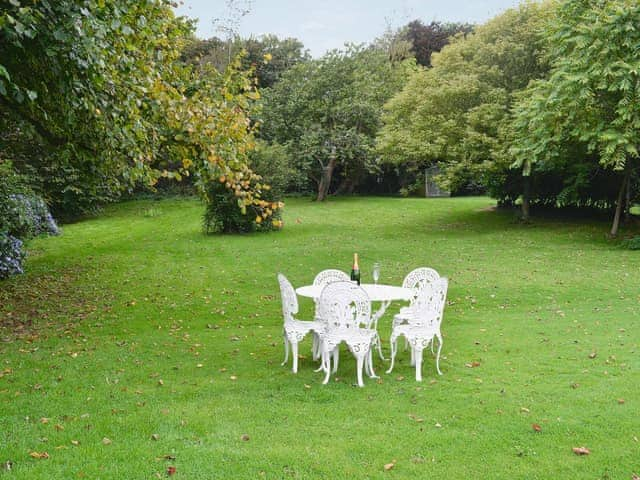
(376, 272)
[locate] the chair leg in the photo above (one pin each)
(360, 364)
(371, 372)
(294, 354)
(418, 360)
(336, 359)
(315, 353)
(326, 361)
(413, 354)
(438, 355)
(286, 349)
(394, 345)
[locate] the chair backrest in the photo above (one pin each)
(289, 298)
(331, 275)
(429, 305)
(345, 305)
(419, 279)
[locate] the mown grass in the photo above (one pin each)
(135, 343)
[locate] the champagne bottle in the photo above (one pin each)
(355, 270)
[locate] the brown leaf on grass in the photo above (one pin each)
(7, 465)
(635, 476)
(472, 364)
(44, 420)
(171, 470)
(106, 441)
(155, 437)
(244, 437)
(536, 427)
(233, 377)
(75, 442)
(389, 466)
(593, 355)
(581, 450)
(39, 455)
(621, 401)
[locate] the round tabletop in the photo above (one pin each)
(377, 293)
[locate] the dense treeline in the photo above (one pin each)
(539, 106)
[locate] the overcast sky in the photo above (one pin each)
(325, 24)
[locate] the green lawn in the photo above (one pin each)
(135, 343)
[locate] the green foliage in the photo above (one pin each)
(268, 55)
(222, 214)
(592, 94)
(454, 113)
(277, 166)
(98, 89)
(632, 243)
(330, 108)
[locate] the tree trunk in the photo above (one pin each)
(526, 197)
(618, 214)
(325, 179)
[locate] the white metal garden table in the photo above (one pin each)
(385, 294)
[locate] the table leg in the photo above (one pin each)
(375, 317)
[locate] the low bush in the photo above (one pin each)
(11, 255)
(23, 215)
(222, 214)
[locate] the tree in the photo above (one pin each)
(327, 112)
(98, 86)
(592, 95)
(282, 54)
(425, 40)
(454, 113)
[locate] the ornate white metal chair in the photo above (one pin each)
(346, 308)
(423, 326)
(294, 330)
(324, 278)
(417, 280)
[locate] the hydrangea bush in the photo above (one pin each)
(23, 215)
(11, 255)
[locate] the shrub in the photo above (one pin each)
(23, 215)
(11, 256)
(632, 243)
(222, 214)
(277, 167)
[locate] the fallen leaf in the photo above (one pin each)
(233, 377)
(39, 455)
(524, 410)
(171, 470)
(575, 385)
(106, 441)
(593, 355)
(44, 420)
(621, 401)
(155, 436)
(7, 465)
(389, 466)
(635, 477)
(581, 450)
(400, 378)
(244, 437)
(75, 442)
(437, 425)
(472, 364)
(161, 382)
(536, 427)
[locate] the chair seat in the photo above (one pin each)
(299, 328)
(411, 332)
(353, 337)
